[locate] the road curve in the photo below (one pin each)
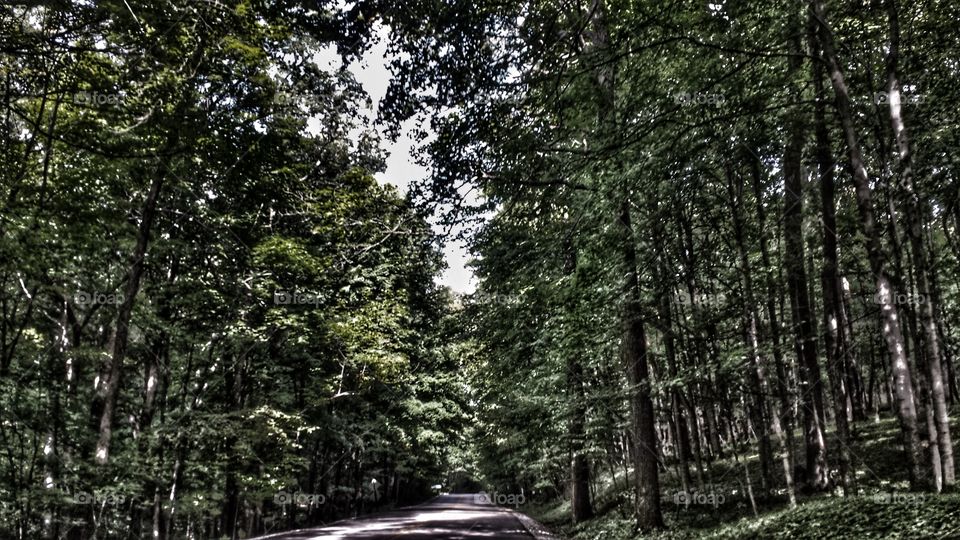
(451, 517)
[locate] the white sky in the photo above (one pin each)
(402, 170)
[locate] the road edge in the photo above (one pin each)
(332, 523)
(534, 528)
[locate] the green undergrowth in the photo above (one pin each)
(880, 508)
(935, 516)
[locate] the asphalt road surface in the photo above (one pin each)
(445, 517)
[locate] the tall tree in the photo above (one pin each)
(916, 212)
(886, 294)
(805, 342)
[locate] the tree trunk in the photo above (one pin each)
(811, 386)
(834, 339)
(916, 211)
(634, 358)
(906, 409)
(770, 285)
(579, 466)
(676, 399)
(634, 341)
(854, 375)
(757, 373)
(665, 313)
(108, 390)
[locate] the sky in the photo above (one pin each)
(402, 169)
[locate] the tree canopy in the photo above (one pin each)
(715, 249)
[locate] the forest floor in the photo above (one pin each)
(883, 507)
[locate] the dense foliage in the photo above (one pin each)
(715, 244)
(214, 321)
(752, 204)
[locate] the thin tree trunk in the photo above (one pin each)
(757, 374)
(916, 212)
(676, 399)
(694, 427)
(579, 466)
(834, 325)
(110, 388)
(634, 357)
(634, 340)
(854, 374)
(688, 256)
(665, 313)
(811, 387)
(906, 409)
(770, 285)
(946, 356)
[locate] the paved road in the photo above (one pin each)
(450, 517)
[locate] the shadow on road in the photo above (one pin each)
(445, 517)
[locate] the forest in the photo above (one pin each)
(714, 246)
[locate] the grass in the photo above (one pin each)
(881, 507)
(823, 517)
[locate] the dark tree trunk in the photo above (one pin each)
(757, 373)
(665, 313)
(634, 358)
(579, 466)
(108, 389)
(710, 443)
(834, 338)
(676, 397)
(811, 386)
(771, 298)
(634, 341)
